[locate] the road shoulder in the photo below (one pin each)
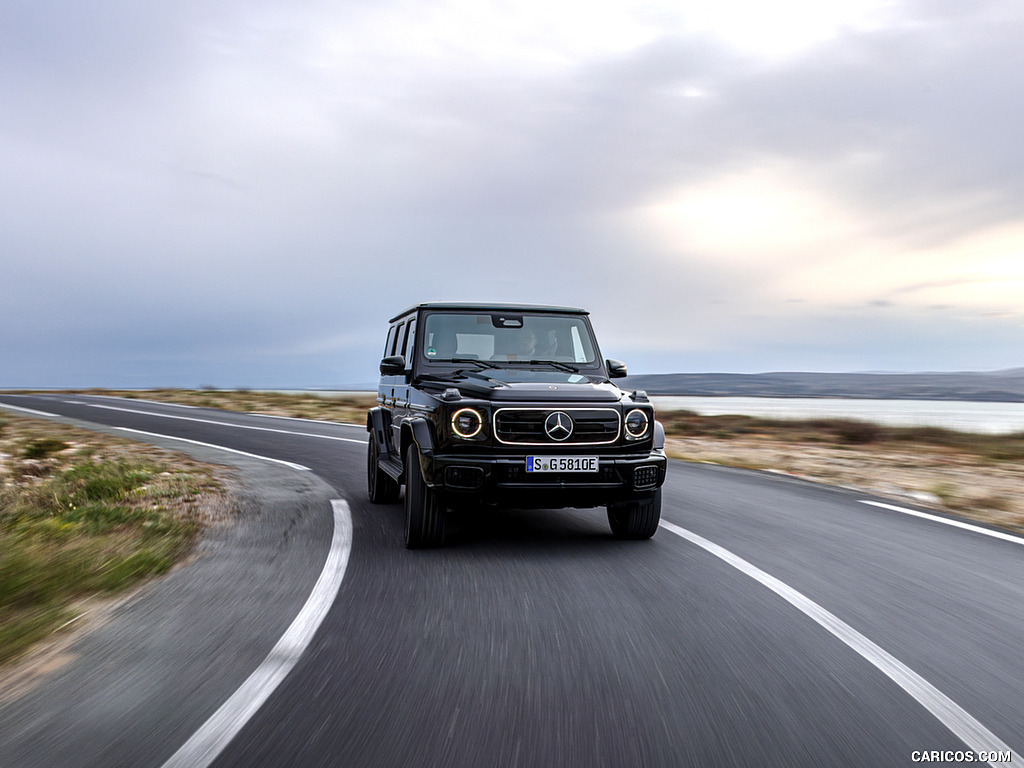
(131, 688)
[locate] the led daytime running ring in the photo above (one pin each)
(475, 414)
(646, 424)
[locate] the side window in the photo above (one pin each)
(389, 345)
(410, 345)
(403, 338)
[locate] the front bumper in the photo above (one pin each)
(502, 480)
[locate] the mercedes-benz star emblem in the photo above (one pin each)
(558, 426)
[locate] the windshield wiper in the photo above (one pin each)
(480, 364)
(553, 363)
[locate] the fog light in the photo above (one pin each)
(464, 477)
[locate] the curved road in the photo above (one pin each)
(770, 622)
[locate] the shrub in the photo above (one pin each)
(857, 432)
(108, 481)
(43, 447)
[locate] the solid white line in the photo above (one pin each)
(222, 423)
(135, 400)
(948, 521)
(26, 410)
(198, 407)
(975, 735)
(217, 732)
(289, 464)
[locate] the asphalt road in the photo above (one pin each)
(770, 622)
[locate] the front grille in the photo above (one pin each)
(525, 426)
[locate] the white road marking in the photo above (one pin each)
(199, 407)
(135, 400)
(217, 732)
(289, 464)
(26, 410)
(975, 735)
(217, 423)
(948, 521)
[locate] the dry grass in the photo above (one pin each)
(84, 514)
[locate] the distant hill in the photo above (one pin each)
(997, 386)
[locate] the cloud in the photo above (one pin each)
(239, 193)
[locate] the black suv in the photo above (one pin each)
(512, 406)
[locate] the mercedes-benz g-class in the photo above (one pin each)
(486, 405)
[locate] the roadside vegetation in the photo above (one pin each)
(86, 515)
(847, 433)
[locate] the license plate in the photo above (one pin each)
(561, 464)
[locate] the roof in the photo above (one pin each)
(490, 307)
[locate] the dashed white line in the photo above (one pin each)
(216, 733)
(952, 715)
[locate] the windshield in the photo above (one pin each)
(507, 338)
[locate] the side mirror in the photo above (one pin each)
(393, 365)
(616, 369)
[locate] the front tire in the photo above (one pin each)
(380, 487)
(424, 513)
(635, 519)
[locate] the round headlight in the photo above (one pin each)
(637, 424)
(467, 422)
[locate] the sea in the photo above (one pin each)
(960, 415)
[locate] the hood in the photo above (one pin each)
(532, 391)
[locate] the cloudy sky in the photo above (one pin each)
(241, 192)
